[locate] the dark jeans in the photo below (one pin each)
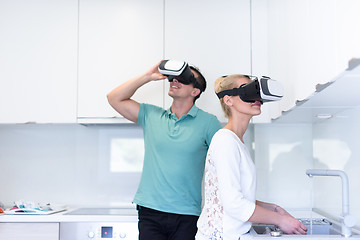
(156, 225)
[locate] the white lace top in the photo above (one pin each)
(229, 183)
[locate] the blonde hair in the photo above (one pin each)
(226, 83)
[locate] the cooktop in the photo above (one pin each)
(103, 211)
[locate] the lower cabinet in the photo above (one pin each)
(29, 231)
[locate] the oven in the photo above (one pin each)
(100, 224)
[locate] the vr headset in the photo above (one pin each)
(263, 90)
(178, 70)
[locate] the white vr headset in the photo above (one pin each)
(178, 70)
(263, 90)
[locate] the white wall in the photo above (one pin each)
(284, 151)
(336, 146)
(282, 154)
(65, 164)
(69, 163)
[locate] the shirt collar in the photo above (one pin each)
(193, 111)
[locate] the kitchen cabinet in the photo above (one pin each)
(328, 102)
(38, 61)
(212, 35)
(308, 43)
(60, 58)
(118, 40)
(29, 231)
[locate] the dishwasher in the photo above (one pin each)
(100, 223)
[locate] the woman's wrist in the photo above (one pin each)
(276, 208)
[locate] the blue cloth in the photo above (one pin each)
(175, 151)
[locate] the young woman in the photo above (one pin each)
(230, 178)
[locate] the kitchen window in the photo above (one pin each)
(121, 155)
(126, 154)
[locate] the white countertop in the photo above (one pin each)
(63, 217)
(131, 215)
(300, 214)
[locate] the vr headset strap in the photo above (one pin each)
(231, 92)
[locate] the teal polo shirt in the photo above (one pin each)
(175, 152)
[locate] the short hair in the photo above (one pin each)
(226, 83)
(200, 81)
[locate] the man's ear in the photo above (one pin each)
(195, 92)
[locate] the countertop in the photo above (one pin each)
(130, 214)
(301, 214)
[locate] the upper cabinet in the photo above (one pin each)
(307, 43)
(330, 101)
(118, 40)
(211, 35)
(38, 61)
(60, 58)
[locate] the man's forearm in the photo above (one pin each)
(126, 90)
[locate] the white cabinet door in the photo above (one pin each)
(309, 43)
(29, 231)
(212, 35)
(118, 40)
(38, 46)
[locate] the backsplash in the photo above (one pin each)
(336, 146)
(283, 152)
(71, 164)
(67, 164)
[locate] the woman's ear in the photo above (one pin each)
(227, 100)
(195, 92)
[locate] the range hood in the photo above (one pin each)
(102, 120)
(330, 100)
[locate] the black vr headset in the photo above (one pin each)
(263, 90)
(178, 70)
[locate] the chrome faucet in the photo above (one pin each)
(347, 221)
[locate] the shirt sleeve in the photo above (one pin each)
(227, 160)
(213, 126)
(141, 115)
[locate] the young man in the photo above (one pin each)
(176, 142)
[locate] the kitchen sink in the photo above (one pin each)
(316, 226)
